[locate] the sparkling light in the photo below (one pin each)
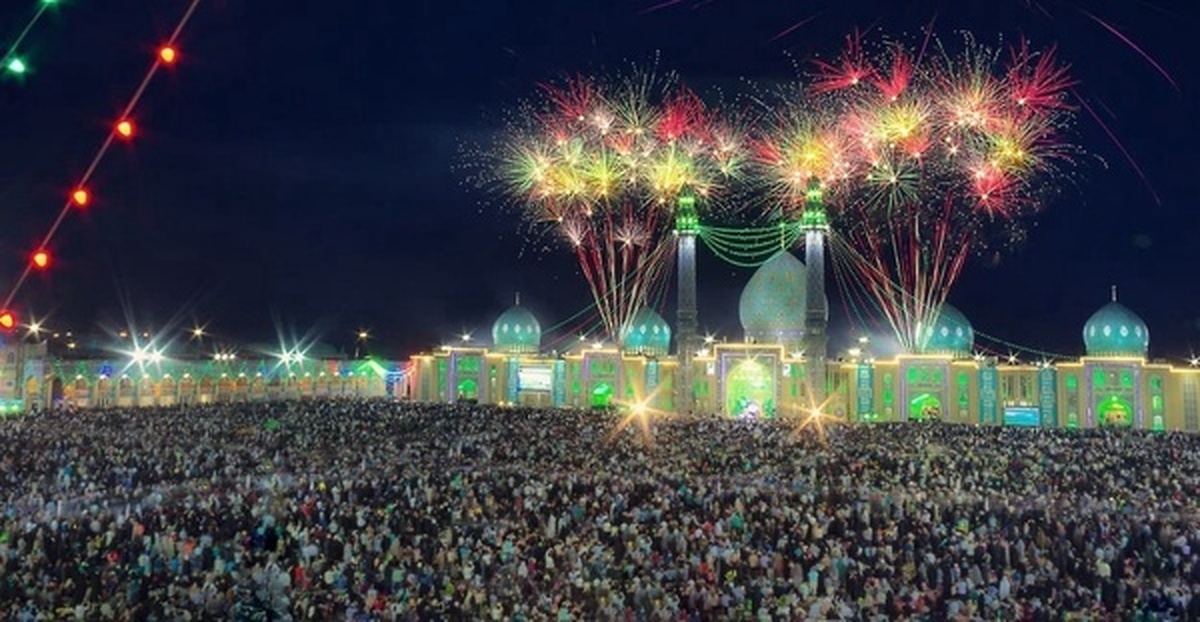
(167, 54)
(81, 197)
(125, 128)
(41, 259)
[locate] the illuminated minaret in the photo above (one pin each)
(687, 225)
(816, 313)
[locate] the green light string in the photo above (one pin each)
(750, 248)
(11, 62)
(1020, 348)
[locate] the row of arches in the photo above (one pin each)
(82, 392)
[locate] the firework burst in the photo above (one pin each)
(921, 163)
(603, 163)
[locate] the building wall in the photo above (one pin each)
(1089, 392)
(105, 383)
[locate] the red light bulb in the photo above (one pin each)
(125, 128)
(167, 54)
(81, 197)
(41, 259)
(8, 321)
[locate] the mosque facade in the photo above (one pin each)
(763, 375)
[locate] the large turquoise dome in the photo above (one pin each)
(516, 331)
(1114, 330)
(950, 333)
(647, 333)
(772, 305)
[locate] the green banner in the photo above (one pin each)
(1048, 396)
(989, 401)
(865, 393)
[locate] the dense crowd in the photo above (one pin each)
(371, 510)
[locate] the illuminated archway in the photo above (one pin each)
(750, 390)
(602, 395)
(925, 407)
(468, 389)
(56, 390)
(1114, 411)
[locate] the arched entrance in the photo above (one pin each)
(1114, 411)
(750, 390)
(81, 393)
(208, 390)
(33, 396)
(56, 391)
(925, 407)
(602, 395)
(125, 392)
(468, 389)
(104, 390)
(168, 392)
(187, 390)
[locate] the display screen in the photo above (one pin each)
(1022, 415)
(538, 378)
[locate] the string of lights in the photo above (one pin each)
(81, 196)
(13, 63)
(750, 248)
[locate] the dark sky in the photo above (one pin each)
(297, 168)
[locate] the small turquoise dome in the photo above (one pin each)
(772, 305)
(1114, 330)
(516, 331)
(647, 333)
(951, 333)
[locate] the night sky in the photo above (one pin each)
(300, 168)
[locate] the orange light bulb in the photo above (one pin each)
(125, 129)
(81, 197)
(41, 259)
(167, 54)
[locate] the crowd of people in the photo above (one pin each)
(377, 510)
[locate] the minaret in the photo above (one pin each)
(816, 313)
(687, 225)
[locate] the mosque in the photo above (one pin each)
(764, 375)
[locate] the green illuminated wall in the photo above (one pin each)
(1048, 397)
(1114, 396)
(750, 382)
(1158, 418)
(889, 397)
(962, 392)
(864, 394)
(443, 368)
(924, 390)
(1072, 385)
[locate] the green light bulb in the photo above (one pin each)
(16, 65)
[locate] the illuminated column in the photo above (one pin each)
(816, 312)
(687, 225)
